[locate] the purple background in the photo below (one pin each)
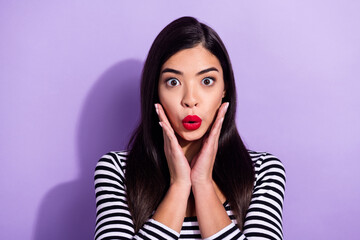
(69, 78)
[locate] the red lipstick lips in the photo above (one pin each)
(191, 122)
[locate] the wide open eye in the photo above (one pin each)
(172, 82)
(208, 81)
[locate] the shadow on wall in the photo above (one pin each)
(109, 115)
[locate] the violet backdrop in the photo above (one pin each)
(69, 79)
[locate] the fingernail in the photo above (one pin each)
(160, 123)
(222, 119)
(226, 106)
(156, 109)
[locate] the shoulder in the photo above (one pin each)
(267, 165)
(265, 160)
(113, 163)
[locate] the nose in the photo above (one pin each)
(190, 98)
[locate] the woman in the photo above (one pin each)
(187, 173)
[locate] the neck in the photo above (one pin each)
(190, 148)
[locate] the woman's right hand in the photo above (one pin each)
(178, 165)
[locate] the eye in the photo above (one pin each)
(208, 81)
(172, 82)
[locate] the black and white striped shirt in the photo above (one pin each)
(263, 219)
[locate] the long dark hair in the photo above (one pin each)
(147, 174)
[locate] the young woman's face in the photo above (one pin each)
(191, 88)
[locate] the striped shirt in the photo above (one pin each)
(263, 219)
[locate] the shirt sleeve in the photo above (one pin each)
(264, 217)
(113, 218)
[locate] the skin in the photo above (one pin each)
(199, 90)
(191, 83)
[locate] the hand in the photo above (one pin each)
(202, 164)
(178, 165)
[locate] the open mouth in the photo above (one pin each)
(191, 122)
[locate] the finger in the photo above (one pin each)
(216, 128)
(161, 113)
(168, 131)
(172, 147)
(165, 134)
(222, 111)
(169, 135)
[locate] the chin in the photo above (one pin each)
(191, 136)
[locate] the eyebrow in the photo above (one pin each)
(207, 70)
(181, 73)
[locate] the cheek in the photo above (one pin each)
(164, 99)
(213, 106)
(169, 107)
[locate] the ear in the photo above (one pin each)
(224, 93)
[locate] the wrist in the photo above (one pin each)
(203, 185)
(202, 181)
(181, 186)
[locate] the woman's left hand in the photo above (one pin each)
(202, 164)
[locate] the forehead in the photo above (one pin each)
(192, 59)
